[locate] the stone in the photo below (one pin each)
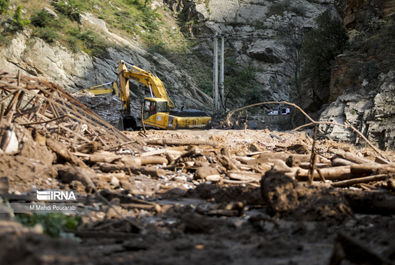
(50, 12)
(268, 51)
(114, 181)
(207, 173)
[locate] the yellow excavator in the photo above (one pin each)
(157, 110)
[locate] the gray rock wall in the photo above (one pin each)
(252, 30)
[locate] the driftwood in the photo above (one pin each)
(354, 158)
(64, 153)
(350, 182)
(312, 122)
(331, 173)
(151, 171)
(244, 176)
(338, 161)
(179, 142)
(368, 169)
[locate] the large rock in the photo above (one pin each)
(269, 51)
(372, 112)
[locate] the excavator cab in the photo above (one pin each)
(153, 106)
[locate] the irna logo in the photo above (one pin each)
(53, 195)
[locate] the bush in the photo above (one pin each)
(17, 22)
(54, 224)
(4, 6)
(240, 83)
(46, 33)
(92, 43)
(320, 47)
(42, 19)
(70, 9)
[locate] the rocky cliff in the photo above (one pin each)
(362, 88)
(257, 34)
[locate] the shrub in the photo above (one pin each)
(47, 34)
(4, 6)
(42, 19)
(92, 43)
(320, 47)
(54, 224)
(18, 22)
(298, 10)
(70, 9)
(240, 83)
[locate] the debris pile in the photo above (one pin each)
(276, 197)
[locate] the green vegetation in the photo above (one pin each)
(54, 224)
(70, 9)
(240, 83)
(130, 18)
(320, 47)
(89, 42)
(4, 6)
(18, 22)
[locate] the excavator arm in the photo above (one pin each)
(153, 83)
(104, 89)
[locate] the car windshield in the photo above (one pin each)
(161, 106)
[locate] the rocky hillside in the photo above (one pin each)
(259, 35)
(362, 88)
(46, 51)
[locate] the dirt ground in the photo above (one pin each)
(181, 212)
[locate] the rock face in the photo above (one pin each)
(362, 84)
(252, 29)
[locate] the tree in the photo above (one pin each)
(292, 36)
(320, 47)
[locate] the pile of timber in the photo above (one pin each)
(36, 103)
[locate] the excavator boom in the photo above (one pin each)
(155, 85)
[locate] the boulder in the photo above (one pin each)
(268, 51)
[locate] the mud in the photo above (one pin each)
(182, 216)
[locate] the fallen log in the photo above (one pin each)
(368, 169)
(354, 158)
(64, 153)
(244, 176)
(145, 160)
(350, 182)
(338, 161)
(180, 142)
(103, 156)
(331, 173)
(151, 171)
(306, 165)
